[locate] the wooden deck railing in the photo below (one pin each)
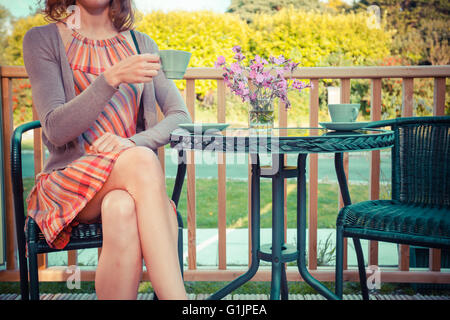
(222, 273)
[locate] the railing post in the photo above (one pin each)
(191, 202)
(407, 111)
(282, 123)
(222, 182)
(313, 178)
(11, 243)
(345, 98)
(439, 97)
(374, 183)
(408, 97)
(438, 110)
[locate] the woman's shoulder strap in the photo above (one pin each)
(133, 35)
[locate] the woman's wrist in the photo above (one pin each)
(111, 78)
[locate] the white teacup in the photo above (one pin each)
(344, 112)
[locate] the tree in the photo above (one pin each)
(13, 52)
(422, 32)
(337, 5)
(248, 8)
(5, 16)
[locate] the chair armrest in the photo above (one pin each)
(380, 124)
(16, 171)
(408, 120)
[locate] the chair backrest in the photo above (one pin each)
(421, 161)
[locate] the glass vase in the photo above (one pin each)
(261, 115)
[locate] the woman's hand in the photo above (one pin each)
(139, 68)
(110, 142)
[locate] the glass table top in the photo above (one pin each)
(292, 132)
(282, 140)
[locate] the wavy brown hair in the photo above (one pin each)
(121, 12)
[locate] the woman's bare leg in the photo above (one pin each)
(119, 267)
(138, 172)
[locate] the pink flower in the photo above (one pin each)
(280, 72)
(252, 74)
(282, 86)
(280, 60)
(299, 85)
(237, 49)
(292, 66)
(259, 78)
(220, 62)
(236, 68)
(268, 79)
(239, 56)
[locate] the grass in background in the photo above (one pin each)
(237, 202)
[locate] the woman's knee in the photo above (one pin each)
(140, 157)
(141, 165)
(119, 213)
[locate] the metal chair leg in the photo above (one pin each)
(339, 282)
(23, 268)
(284, 284)
(362, 269)
(180, 242)
(33, 269)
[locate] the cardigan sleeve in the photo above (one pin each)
(62, 121)
(171, 104)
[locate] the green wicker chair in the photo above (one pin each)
(419, 211)
(83, 236)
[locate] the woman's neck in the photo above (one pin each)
(95, 23)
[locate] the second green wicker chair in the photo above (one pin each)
(419, 211)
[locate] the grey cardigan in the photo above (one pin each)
(65, 116)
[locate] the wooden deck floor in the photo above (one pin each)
(149, 296)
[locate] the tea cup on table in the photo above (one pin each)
(174, 63)
(344, 112)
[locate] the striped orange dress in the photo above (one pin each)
(58, 197)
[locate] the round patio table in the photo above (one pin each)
(277, 142)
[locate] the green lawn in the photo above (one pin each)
(237, 199)
(237, 202)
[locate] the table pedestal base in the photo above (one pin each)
(278, 252)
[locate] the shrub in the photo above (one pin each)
(317, 39)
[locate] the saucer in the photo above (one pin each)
(203, 127)
(343, 126)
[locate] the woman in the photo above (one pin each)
(87, 86)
